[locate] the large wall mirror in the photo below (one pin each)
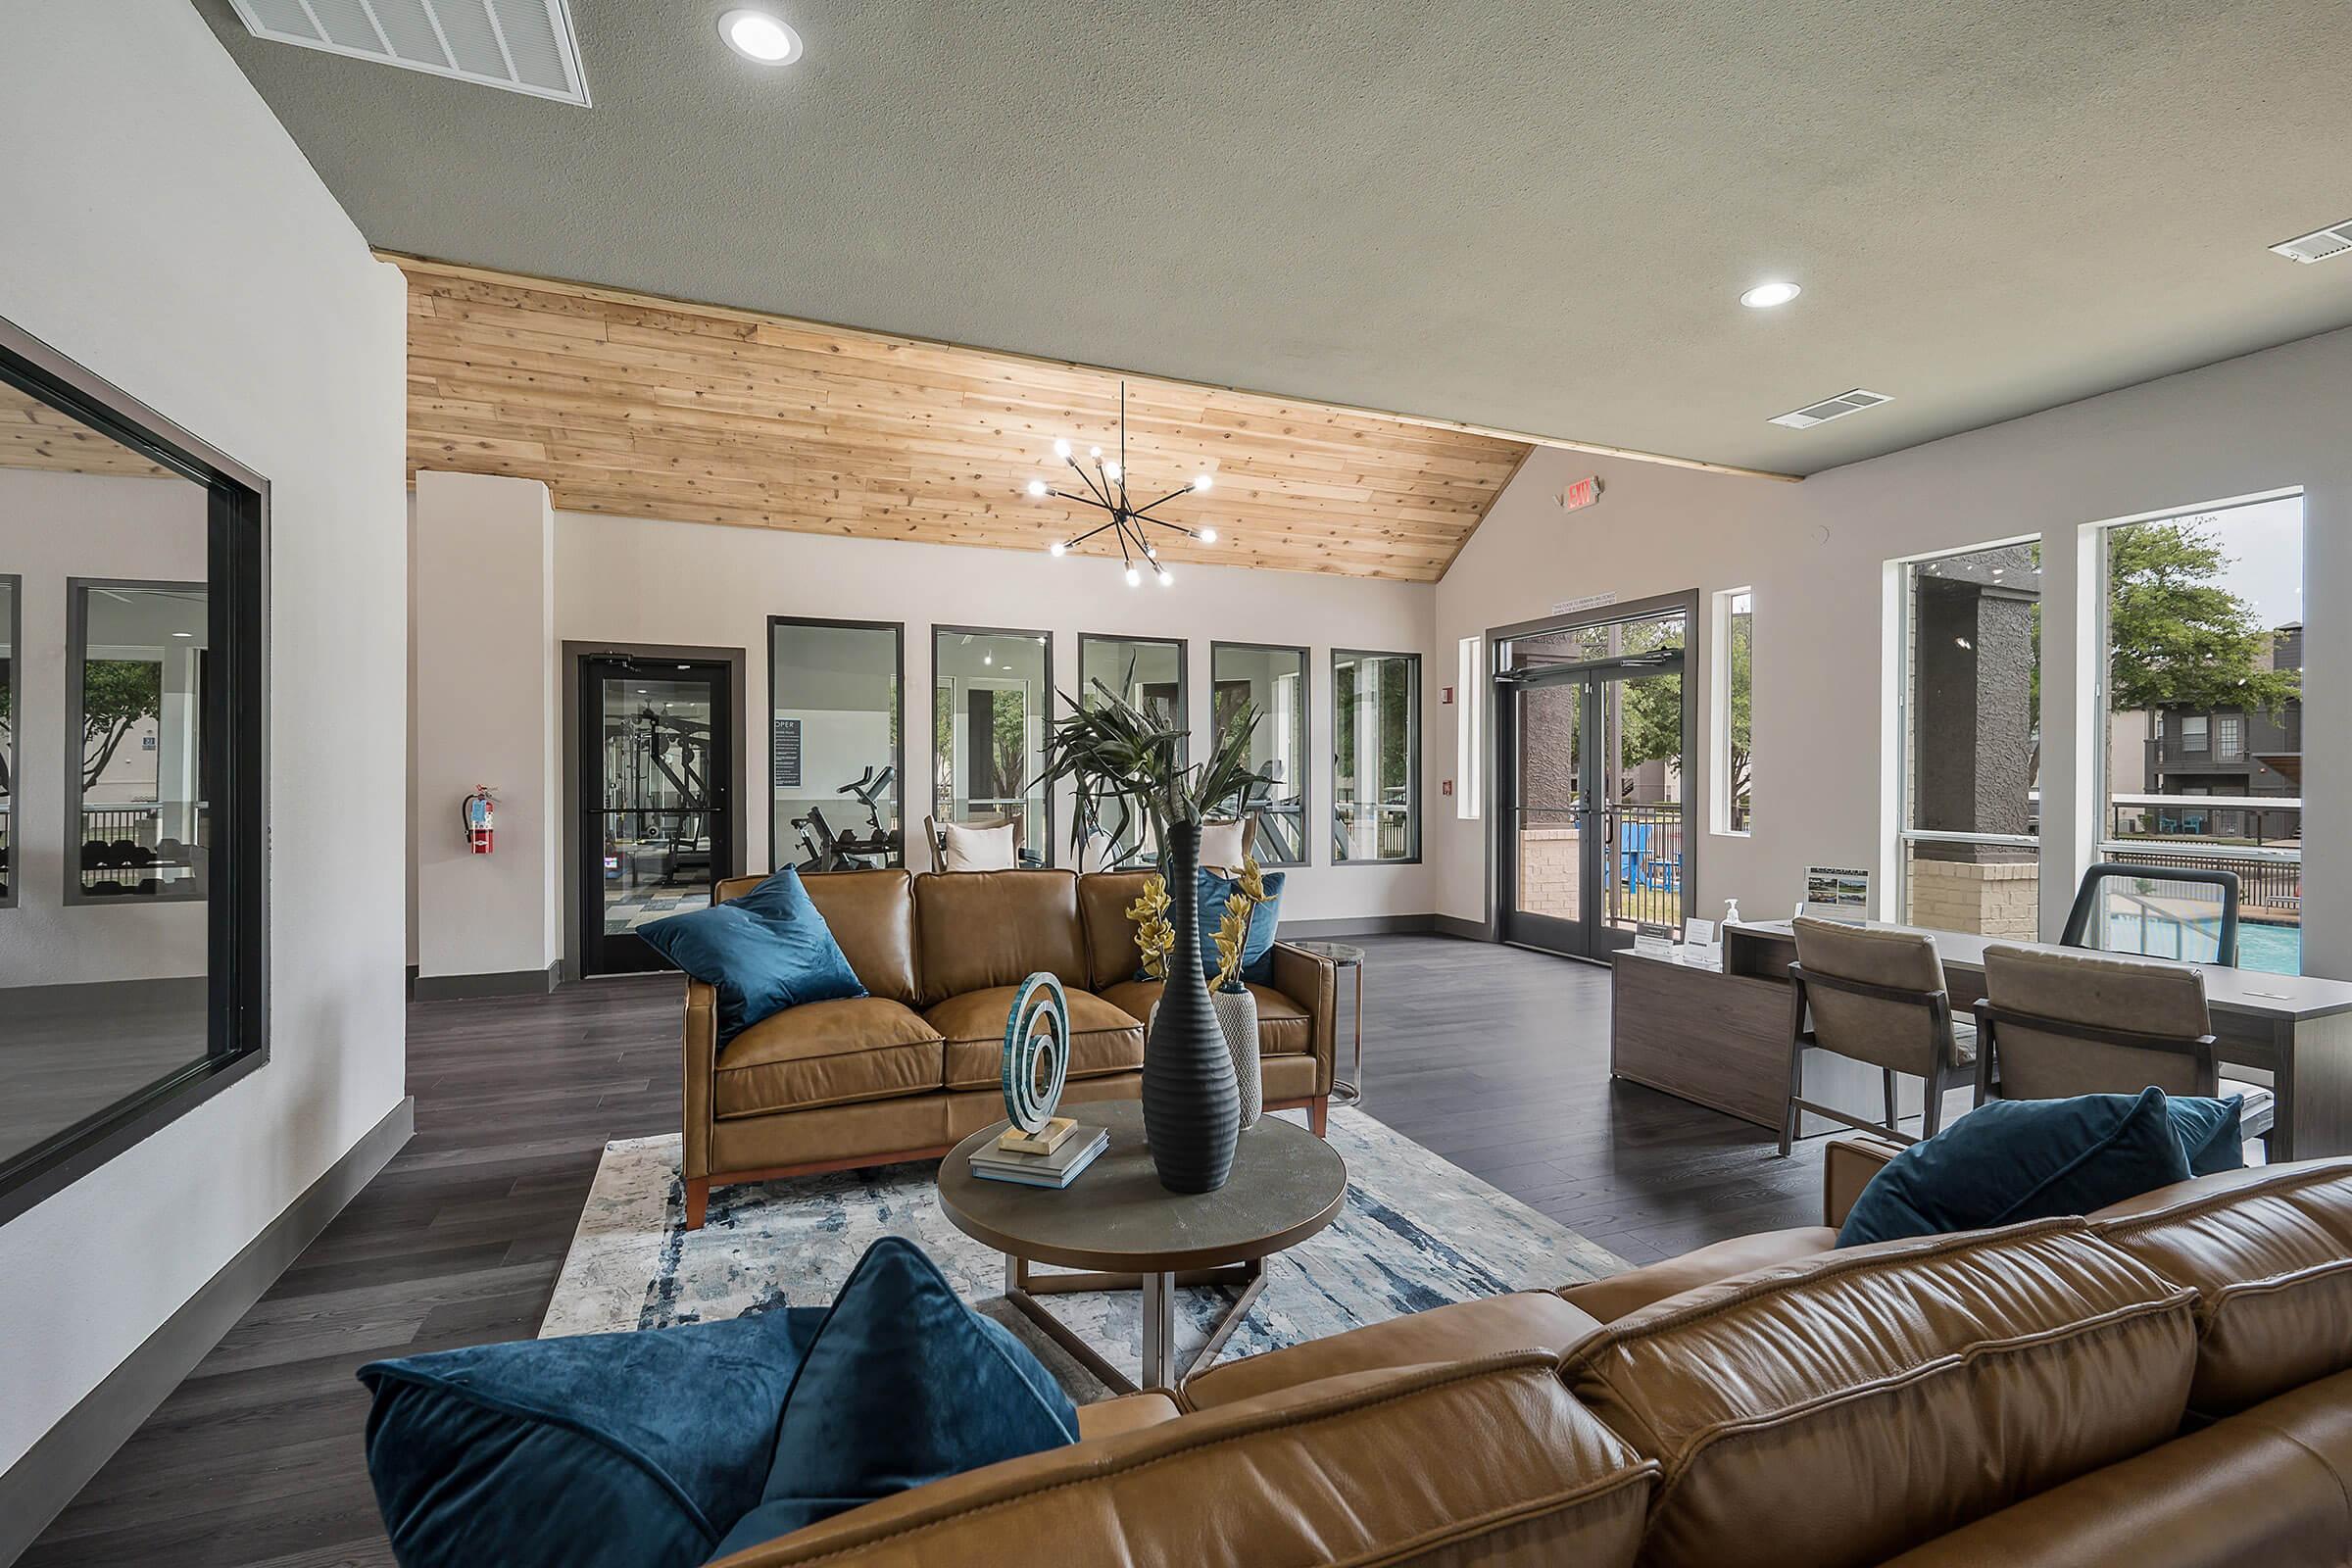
(991, 699)
(836, 756)
(1271, 682)
(1147, 672)
(133, 779)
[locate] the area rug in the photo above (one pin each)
(1416, 1232)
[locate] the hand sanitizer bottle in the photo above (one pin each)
(1731, 911)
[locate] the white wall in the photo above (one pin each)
(1816, 555)
(55, 526)
(627, 580)
(485, 698)
(163, 230)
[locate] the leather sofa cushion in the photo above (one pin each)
(826, 1053)
(1106, 1418)
(1284, 1028)
(976, 930)
(1527, 1479)
(1622, 1295)
(2269, 1486)
(1845, 1407)
(1521, 1320)
(1103, 1039)
(1112, 955)
(2269, 1251)
(871, 915)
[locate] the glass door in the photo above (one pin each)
(1548, 824)
(655, 830)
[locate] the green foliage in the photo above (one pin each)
(2177, 635)
(116, 694)
(1112, 751)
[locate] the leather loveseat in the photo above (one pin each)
(2166, 1384)
(911, 1069)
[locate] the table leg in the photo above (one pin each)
(1159, 1332)
(1346, 1092)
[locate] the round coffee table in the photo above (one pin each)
(1128, 1232)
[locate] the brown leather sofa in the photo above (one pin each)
(911, 1069)
(2166, 1384)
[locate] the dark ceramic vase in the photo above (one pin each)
(1192, 1109)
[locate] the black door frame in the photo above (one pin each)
(732, 808)
(1591, 934)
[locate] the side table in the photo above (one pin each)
(1346, 955)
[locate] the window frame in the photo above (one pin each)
(12, 626)
(1306, 731)
(1412, 760)
(237, 523)
(1184, 711)
(78, 625)
(2202, 744)
(1050, 849)
(2229, 737)
(767, 728)
(1719, 713)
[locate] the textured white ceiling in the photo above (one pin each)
(1532, 216)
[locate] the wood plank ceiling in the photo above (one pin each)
(650, 407)
(35, 435)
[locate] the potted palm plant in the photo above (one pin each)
(1112, 751)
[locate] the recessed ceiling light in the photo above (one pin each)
(1764, 296)
(756, 35)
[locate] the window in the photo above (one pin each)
(131, 948)
(834, 747)
(1376, 757)
(1969, 820)
(2200, 665)
(992, 700)
(1272, 680)
(1735, 702)
(1469, 728)
(1148, 673)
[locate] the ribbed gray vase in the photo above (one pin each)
(1191, 1112)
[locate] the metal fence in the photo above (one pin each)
(2270, 879)
(1645, 868)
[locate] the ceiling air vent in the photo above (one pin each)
(1836, 407)
(2318, 247)
(525, 46)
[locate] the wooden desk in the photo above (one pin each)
(1721, 1038)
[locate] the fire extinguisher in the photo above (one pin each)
(476, 814)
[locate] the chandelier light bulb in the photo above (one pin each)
(1111, 469)
(1134, 576)
(1151, 551)
(1037, 487)
(1208, 536)
(1167, 579)
(1061, 448)
(1201, 482)
(1094, 452)
(1057, 548)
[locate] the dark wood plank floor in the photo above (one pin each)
(1492, 1057)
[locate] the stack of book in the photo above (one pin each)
(1058, 1167)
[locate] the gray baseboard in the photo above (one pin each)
(1362, 925)
(512, 983)
(37, 1486)
(1453, 925)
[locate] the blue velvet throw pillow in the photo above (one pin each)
(2017, 1159)
(2210, 1134)
(904, 1385)
(762, 952)
(1257, 961)
(632, 1450)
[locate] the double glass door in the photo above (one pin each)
(1590, 821)
(657, 767)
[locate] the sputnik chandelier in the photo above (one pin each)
(1105, 491)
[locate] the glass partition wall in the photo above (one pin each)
(1271, 680)
(132, 906)
(992, 701)
(1971, 727)
(835, 748)
(1376, 756)
(1148, 673)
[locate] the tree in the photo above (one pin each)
(116, 694)
(8, 721)
(2177, 635)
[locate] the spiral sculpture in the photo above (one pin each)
(1028, 1104)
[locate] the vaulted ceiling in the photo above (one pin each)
(649, 407)
(35, 435)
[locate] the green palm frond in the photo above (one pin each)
(1111, 749)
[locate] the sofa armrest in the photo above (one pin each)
(1846, 1166)
(1312, 982)
(701, 1063)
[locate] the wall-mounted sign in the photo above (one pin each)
(1569, 607)
(788, 754)
(1582, 494)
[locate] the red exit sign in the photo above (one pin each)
(1581, 494)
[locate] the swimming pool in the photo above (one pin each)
(2261, 945)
